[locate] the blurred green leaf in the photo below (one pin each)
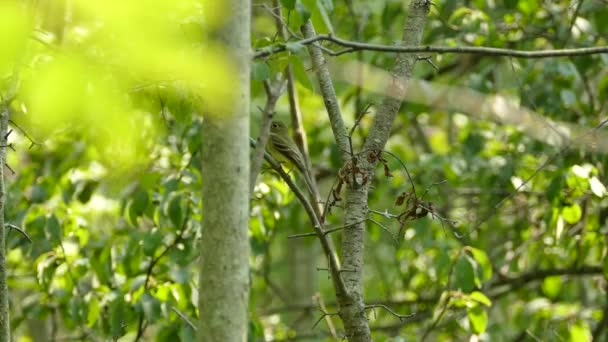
(289, 4)
(551, 286)
(480, 298)
(572, 214)
(260, 71)
(53, 230)
(478, 318)
(464, 274)
(151, 241)
(483, 262)
(175, 211)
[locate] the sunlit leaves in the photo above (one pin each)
(15, 27)
(483, 265)
(551, 286)
(478, 318)
(572, 213)
(597, 187)
(147, 41)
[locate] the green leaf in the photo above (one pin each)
(572, 214)
(568, 97)
(551, 286)
(76, 307)
(117, 317)
(93, 311)
(151, 307)
(37, 224)
(175, 212)
(478, 318)
(300, 73)
(528, 6)
(260, 71)
(289, 5)
(101, 264)
(464, 274)
(294, 47)
(151, 242)
(582, 171)
(303, 11)
(597, 187)
(86, 191)
(39, 194)
(187, 334)
(483, 261)
(480, 298)
(138, 205)
(53, 229)
(580, 332)
(180, 275)
(555, 187)
(327, 4)
(45, 269)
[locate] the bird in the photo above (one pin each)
(285, 151)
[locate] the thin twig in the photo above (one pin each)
(276, 14)
(527, 180)
(383, 228)
(32, 141)
(14, 227)
(352, 46)
(141, 325)
(401, 317)
(330, 323)
(273, 93)
(329, 251)
(185, 318)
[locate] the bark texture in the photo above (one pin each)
(224, 265)
(353, 239)
(351, 305)
(5, 327)
(329, 93)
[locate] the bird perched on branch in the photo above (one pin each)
(285, 151)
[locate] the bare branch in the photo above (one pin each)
(329, 93)
(329, 251)
(273, 93)
(185, 318)
(401, 317)
(14, 227)
(32, 141)
(352, 46)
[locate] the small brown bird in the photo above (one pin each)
(285, 151)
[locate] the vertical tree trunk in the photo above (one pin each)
(353, 238)
(224, 267)
(5, 326)
(352, 307)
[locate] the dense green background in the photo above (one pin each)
(114, 248)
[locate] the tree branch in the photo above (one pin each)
(273, 93)
(329, 93)
(21, 231)
(352, 46)
(521, 280)
(334, 265)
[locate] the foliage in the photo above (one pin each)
(111, 194)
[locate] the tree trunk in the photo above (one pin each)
(5, 326)
(224, 266)
(352, 307)
(354, 315)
